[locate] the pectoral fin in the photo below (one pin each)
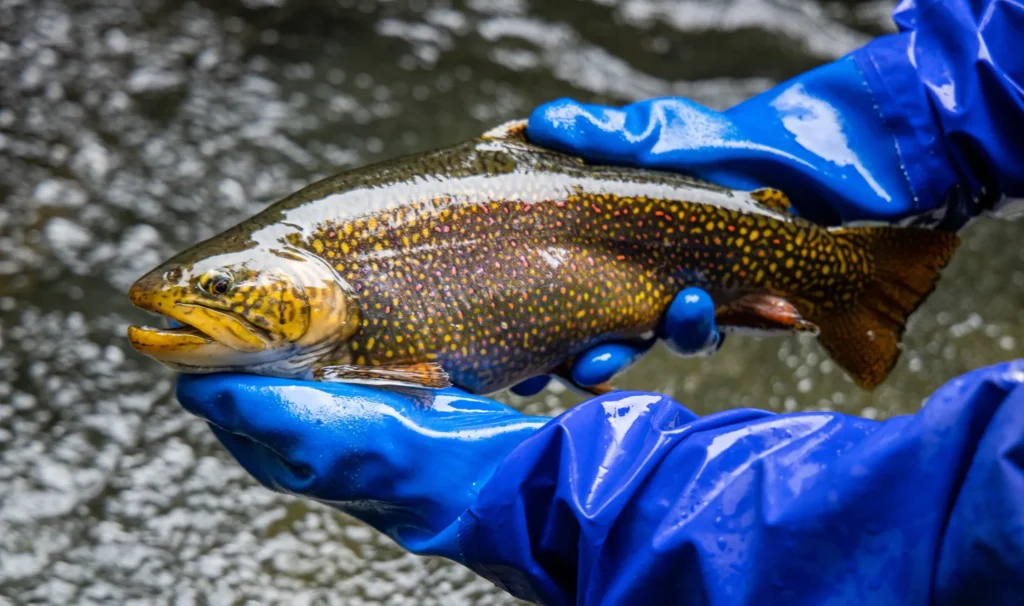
(428, 375)
(762, 314)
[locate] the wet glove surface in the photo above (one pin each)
(630, 496)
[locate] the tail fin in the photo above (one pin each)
(865, 340)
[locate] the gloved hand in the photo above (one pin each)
(687, 327)
(920, 126)
(632, 497)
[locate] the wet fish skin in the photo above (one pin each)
(497, 260)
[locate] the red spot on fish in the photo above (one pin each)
(659, 213)
(621, 257)
(776, 241)
(486, 210)
(596, 208)
(525, 262)
(731, 227)
(693, 218)
(332, 234)
(560, 203)
(387, 309)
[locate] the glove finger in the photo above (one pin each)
(268, 467)
(688, 326)
(275, 412)
(603, 362)
(531, 386)
(667, 133)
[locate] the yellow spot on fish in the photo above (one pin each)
(318, 246)
(369, 343)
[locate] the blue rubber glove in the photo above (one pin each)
(632, 498)
(924, 124)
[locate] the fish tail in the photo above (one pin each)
(904, 266)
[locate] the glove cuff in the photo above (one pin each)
(905, 107)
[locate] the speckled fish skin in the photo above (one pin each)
(499, 260)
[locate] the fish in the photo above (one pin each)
(490, 261)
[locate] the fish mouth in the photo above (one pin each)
(207, 337)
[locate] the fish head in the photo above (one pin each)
(244, 311)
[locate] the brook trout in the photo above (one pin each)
(488, 262)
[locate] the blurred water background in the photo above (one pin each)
(130, 129)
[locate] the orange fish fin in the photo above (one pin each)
(564, 372)
(906, 262)
(772, 198)
(761, 313)
(600, 389)
(425, 375)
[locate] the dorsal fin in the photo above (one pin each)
(772, 198)
(513, 130)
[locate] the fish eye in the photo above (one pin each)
(220, 285)
(215, 283)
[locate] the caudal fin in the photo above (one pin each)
(865, 340)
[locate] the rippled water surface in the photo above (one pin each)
(130, 129)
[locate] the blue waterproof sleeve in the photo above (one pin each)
(921, 125)
(630, 498)
(950, 87)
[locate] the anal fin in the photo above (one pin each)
(428, 375)
(564, 372)
(762, 314)
(772, 198)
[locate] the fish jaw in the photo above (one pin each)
(208, 338)
(181, 348)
